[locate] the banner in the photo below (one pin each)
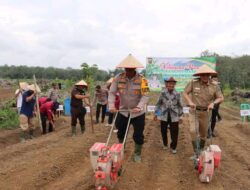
(181, 69)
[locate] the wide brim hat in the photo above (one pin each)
(81, 83)
(204, 69)
(130, 62)
(34, 88)
(23, 85)
(171, 79)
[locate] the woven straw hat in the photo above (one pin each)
(130, 62)
(204, 69)
(81, 83)
(23, 85)
(34, 88)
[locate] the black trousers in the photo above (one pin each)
(138, 124)
(98, 110)
(174, 131)
(44, 123)
(111, 116)
(78, 113)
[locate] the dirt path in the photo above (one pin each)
(58, 161)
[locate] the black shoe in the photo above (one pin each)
(213, 135)
(96, 122)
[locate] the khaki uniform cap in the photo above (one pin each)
(81, 83)
(204, 69)
(23, 85)
(34, 88)
(130, 62)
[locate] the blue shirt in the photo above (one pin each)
(28, 107)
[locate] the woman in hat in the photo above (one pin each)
(26, 112)
(170, 108)
(78, 111)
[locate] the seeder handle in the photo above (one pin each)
(110, 132)
(209, 126)
(113, 124)
(126, 134)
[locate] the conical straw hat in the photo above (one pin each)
(204, 69)
(23, 85)
(130, 62)
(81, 83)
(34, 88)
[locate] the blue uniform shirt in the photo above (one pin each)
(27, 107)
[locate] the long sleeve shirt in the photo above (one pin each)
(169, 104)
(132, 93)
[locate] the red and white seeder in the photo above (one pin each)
(207, 160)
(107, 160)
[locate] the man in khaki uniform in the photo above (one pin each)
(133, 90)
(204, 95)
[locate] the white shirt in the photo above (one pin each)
(19, 99)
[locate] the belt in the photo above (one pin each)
(201, 109)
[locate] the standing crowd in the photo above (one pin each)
(125, 98)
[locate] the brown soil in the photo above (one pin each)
(7, 94)
(58, 161)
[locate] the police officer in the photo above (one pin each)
(204, 96)
(78, 111)
(133, 90)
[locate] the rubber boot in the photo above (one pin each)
(137, 153)
(82, 129)
(31, 134)
(73, 128)
(196, 152)
(202, 144)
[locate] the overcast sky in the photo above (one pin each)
(64, 33)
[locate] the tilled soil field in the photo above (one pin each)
(58, 161)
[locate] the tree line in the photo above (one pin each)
(25, 72)
(233, 71)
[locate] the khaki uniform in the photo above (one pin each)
(133, 93)
(202, 95)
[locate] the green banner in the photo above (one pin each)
(182, 69)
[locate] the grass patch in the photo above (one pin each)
(8, 117)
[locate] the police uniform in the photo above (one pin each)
(203, 94)
(133, 93)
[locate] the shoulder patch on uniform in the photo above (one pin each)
(144, 86)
